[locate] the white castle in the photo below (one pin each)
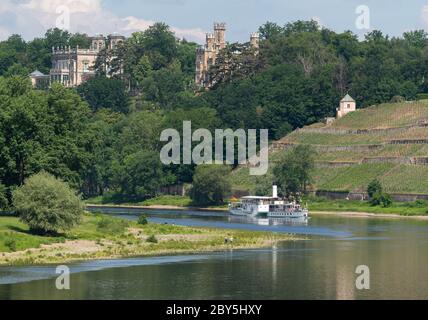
(73, 66)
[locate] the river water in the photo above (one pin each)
(322, 267)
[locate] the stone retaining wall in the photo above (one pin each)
(335, 131)
(343, 195)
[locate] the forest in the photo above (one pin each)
(103, 136)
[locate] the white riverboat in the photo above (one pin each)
(271, 207)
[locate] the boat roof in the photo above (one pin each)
(257, 198)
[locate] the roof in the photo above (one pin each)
(37, 73)
(347, 98)
(258, 198)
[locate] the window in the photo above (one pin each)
(349, 106)
(85, 66)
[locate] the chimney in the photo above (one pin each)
(275, 192)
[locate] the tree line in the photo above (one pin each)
(103, 137)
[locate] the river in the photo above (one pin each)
(322, 267)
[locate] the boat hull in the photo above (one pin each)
(289, 214)
(243, 213)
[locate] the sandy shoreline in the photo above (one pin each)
(203, 241)
(315, 212)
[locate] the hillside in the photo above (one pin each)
(388, 142)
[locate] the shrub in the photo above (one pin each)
(382, 199)
(397, 99)
(386, 200)
(142, 220)
(152, 239)
(112, 225)
(47, 204)
(11, 244)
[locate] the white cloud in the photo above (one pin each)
(75, 6)
(33, 17)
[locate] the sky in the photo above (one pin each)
(192, 19)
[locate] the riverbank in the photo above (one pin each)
(339, 208)
(104, 237)
(417, 209)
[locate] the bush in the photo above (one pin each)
(112, 225)
(152, 239)
(397, 99)
(210, 185)
(11, 244)
(47, 205)
(142, 220)
(384, 200)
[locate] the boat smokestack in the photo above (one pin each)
(275, 192)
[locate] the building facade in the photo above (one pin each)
(73, 66)
(206, 55)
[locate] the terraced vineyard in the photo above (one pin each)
(388, 142)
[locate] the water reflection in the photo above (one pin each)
(270, 221)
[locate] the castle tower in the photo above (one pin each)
(255, 40)
(220, 35)
(114, 40)
(98, 42)
(211, 42)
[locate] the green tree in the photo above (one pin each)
(374, 187)
(270, 30)
(141, 175)
(47, 205)
(293, 172)
(4, 202)
(102, 92)
(210, 185)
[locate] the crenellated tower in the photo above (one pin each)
(220, 35)
(255, 40)
(206, 55)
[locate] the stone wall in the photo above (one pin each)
(175, 190)
(337, 131)
(344, 195)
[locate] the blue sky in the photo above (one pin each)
(192, 18)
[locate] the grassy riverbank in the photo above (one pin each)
(161, 201)
(417, 208)
(103, 237)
